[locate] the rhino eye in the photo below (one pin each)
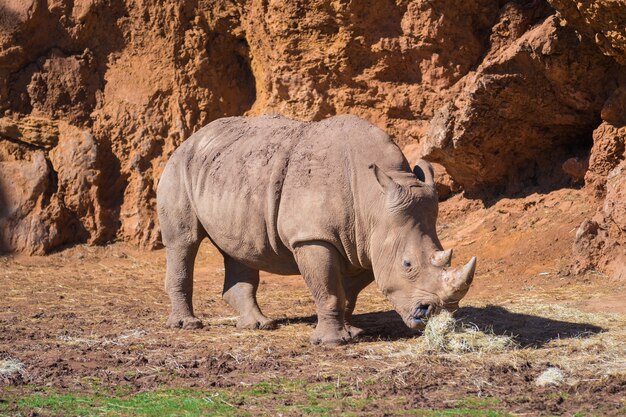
(406, 264)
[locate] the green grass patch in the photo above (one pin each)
(457, 412)
(268, 397)
(478, 402)
(187, 403)
(465, 407)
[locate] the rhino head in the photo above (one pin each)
(410, 266)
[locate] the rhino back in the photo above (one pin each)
(260, 186)
(329, 192)
(233, 170)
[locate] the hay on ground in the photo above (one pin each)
(444, 334)
(551, 376)
(9, 366)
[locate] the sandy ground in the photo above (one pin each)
(88, 318)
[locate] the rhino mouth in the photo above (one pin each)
(419, 317)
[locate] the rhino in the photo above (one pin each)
(335, 201)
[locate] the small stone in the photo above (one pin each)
(552, 376)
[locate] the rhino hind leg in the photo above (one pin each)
(240, 287)
(182, 234)
(179, 286)
(320, 265)
(352, 287)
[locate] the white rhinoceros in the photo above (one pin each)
(335, 201)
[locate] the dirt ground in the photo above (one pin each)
(91, 319)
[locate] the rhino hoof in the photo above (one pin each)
(331, 338)
(253, 324)
(268, 325)
(187, 323)
(354, 331)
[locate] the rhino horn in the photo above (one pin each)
(461, 279)
(441, 258)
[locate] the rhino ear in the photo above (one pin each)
(387, 185)
(424, 172)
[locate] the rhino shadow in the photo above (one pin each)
(386, 325)
(526, 329)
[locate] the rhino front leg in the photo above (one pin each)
(352, 287)
(240, 286)
(320, 265)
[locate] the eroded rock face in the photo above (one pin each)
(601, 241)
(604, 21)
(609, 149)
(136, 78)
(385, 61)
(77, 162)
(95, 95)
(50, 196)
(24, 203)
(614, 209)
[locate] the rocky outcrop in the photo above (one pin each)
(601, 240)
(96, 94)
(51, 175)
(532, 101)
(24, 204)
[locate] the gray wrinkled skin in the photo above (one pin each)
(335, 201)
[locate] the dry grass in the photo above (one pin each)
(591, 343)
(528, 330)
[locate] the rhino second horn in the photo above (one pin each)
(462, 279)
(441, 258)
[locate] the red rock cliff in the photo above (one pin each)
(96, 94)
